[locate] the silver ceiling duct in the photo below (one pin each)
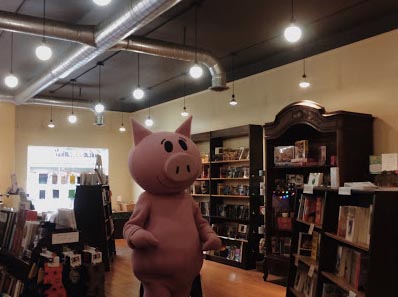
(85, 34)
(61, 102)
(130, 19)
(179, 52)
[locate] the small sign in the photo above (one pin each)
(344, 191)
(311, 229)
(308, 189)
(311, 271)
(67, 237)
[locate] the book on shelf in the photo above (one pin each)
(309, 211)
(357, 224)
(352, 266)
(342, 221)
(315, 243)
(319, 208)
(304, 246)
(304, 283)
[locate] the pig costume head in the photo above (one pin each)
(164, 162)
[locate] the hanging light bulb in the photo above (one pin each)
(43, 51)
(304, 83)
(184, 112)
(196, 70)
(102, 2)
(293, 32)
(233, 102)
(122, 128)
(11, 80)
(72, 117)
(51, 123)
(138, 93)
(149, 121)
(99, 107)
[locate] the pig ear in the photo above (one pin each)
(139, 131)
(185, 128)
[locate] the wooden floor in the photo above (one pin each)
(218, 280)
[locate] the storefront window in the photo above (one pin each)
(53, 173)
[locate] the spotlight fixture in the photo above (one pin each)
(233, 102)
(184, 111)
(72, 117)
(138, 93)
(51, 123)
(196, 70)
(11, 80)
(293, 32)
(102, 2)
(304, 83)
(43, 51)
(122, 128)
(99, 107)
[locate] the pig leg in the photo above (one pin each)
(156, 290)
(182, 292)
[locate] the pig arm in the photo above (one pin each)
(208, 237)
(134, 232)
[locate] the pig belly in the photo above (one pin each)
(179, 254)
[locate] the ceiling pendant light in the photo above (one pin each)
(51, 123)
(184, 111)
(99, 107)
(196, 71)
(233, 102)
(102, 2)
(138, 93)
(293, 32)
(11, 80)
(72, 117)
(122, 128)
(43, 51)
(304, 83)
(149, 121)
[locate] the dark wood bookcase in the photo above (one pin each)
(348, 138)
(380, 253)
(93, 211)
(226, 197)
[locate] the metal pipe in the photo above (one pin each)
(54, 29)
(174, 51)
(60, 102)
(130, 19)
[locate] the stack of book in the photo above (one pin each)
(354, 223)
(352, 266)
(311, 209)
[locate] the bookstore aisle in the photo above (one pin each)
(218, 280)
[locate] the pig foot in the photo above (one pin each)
(156, 290)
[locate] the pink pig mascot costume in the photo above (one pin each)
(166, 230)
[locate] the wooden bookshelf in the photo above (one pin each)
(230, 161)
(307, 261)
(360, 246)
(230, 178)
(202, 179)
(231, 196)
(200, 195)
(342, 283)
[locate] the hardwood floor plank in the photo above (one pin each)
(218, 280)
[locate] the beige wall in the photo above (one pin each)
(361, 77)
(7, 146)
(31, 129)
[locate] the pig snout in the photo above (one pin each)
(181, 167)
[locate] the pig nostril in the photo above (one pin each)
(177, 169)
(188, 168)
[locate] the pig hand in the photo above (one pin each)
(143, 239)
(213, 242)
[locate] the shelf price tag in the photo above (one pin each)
(311, 271)
(352, 294)
(344, 191)
(311, 229)
(308, 189)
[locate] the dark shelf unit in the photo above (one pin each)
(381, 251)
(93, 211)
(251, 135)
(348, 136)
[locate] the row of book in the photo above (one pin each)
(231, 230)
(228, 251)
(352, 266)
(305, 283)
(9, 284)
(311, 209)
(232, 211)
(308, 245)
(354, 223)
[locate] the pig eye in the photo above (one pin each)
(183, 144)
(168, 146)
